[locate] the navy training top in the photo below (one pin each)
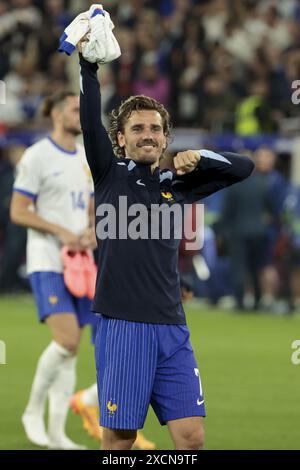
(138, 278)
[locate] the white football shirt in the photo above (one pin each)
(60, 185)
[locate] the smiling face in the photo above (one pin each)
(143, 138)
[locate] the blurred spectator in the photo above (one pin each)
(277, 186)
(277, 30)
(237, 42)
(246, 216)
(218, 100)
(13, 244)
(149, 82)
(124, 69)
(109, 96)
(189, 83)
(254, 114)
(216, 14)
(55, 19)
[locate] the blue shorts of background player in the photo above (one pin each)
(52, 297)
(139, 364)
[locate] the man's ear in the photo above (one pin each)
(121, 139)
(55, 114)
(166, 143)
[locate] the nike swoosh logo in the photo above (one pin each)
(200, 402)
(140, 183)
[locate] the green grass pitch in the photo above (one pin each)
(252, 389)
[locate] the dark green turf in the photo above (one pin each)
(252, 390)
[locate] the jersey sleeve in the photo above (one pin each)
(87, 171)
(28, 175)
(214, 171)
(90, 179)
(98, 147)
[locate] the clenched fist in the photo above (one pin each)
(185, 162)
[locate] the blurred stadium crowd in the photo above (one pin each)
(208, 61)
(217, 65)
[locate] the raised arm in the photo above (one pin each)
(213, 172)
(98, 147)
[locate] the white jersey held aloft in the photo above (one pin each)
(60, 184)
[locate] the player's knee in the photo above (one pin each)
(118, 440)
(192, 439)
(70, 344)
(124, 444)
(199, 439)
(72, 347)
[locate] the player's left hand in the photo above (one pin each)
(186, 294)
(185, 162)
(88, 239)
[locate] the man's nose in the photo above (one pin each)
(148, 134)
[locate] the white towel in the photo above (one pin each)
(94, 29)
(102, 46)
(74, 33)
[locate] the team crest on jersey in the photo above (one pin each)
(167, 195)
(53, 299)
(112, 408)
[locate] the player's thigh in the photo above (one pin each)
(177, 392)
(65, 329)
(56, 307)
(125, 355)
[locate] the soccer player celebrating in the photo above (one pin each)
(142, 348)
(52, 198)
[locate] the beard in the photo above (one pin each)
(147, 159)
(75, 131)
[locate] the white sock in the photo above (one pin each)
(90, 396)
(59, 399)
(46, 372)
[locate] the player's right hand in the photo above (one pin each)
(186, 294)
(88, 239)
(69, 239)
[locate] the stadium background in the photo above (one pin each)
(224, 69)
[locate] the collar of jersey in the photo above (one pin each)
(143, 170)
(68, 152)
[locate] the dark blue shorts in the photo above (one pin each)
(139, 364)
(52, 297)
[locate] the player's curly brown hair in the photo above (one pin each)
(120, 115)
